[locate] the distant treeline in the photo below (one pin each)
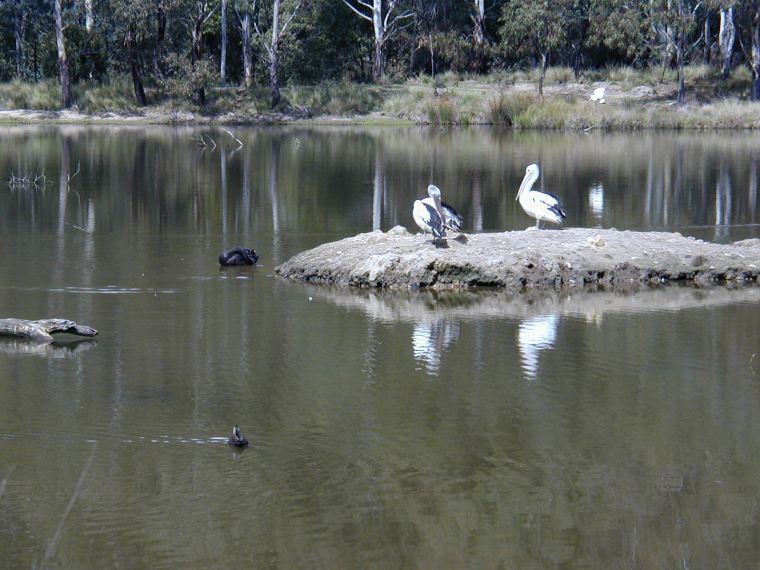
(183, 47)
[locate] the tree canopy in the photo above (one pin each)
(179, 45)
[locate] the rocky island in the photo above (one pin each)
(517, 260)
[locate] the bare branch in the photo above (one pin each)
(237, 140)
(360, 14)
(292, 15)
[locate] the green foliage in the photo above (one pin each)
(506, 109)
(44, 95)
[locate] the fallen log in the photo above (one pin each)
(42, 330)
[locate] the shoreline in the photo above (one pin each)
(636, 103)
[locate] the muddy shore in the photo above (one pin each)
(518, 260)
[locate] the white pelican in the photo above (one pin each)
(543, 206)
(429, 214)
(598, 95)
(451, 218)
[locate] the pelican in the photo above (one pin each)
(451, 218)
(543, 206)
(429, 214)
(598, 95)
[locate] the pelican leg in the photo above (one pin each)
(538, 224)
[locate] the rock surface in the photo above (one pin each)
(538, 259)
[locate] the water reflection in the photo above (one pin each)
(534, 335)
(638, 429)
(430, 340)
(339, 182)
(596, 201)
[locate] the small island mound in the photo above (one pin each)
(524, 260)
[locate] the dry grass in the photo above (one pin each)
(501, 98)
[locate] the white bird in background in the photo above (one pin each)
(451, 218)
(543, 206)
(598, 95)
(429, 214)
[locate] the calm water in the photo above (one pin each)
(389, 430)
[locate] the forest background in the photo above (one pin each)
(517, 62)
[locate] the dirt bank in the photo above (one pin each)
(524, 260)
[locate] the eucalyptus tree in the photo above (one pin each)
(244, 13)
(388, 17)
(67, 97)
(133, 19)
(194, 14)
(672, 21)
(620, 30)
(270, 35)
(223, 55)
(537, 30)
(726, 38)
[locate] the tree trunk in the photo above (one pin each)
(706, 48)
(274, 55)
(20, 33)
(755, 96)
(479, 19)
(196, 54)
(89, 20)
(63, 65)
(134, 64)
(726, 37)
(223, 65)
(245, 31)
(541, 78)
(378, 71)
(680, 43)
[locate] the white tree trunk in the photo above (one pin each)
(63, 64)
(223, 65)
(726, 37)
(274, 54)
(379, 27)
(245, 31)
(89, 19)
(480, 22)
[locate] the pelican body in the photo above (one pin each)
(451, 218)
(428, 213)
(543, 206)
(434, 216)
(237, 439)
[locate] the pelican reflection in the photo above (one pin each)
(534, 335)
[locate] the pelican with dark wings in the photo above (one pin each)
(543, 206)
(434, 216)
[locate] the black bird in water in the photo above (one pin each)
(238, 256)
(237, 439)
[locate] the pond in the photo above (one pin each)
(388, 429)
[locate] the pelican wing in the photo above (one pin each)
(551, 202)
(453, 220)
(427, 219)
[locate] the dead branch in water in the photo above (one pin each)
(42, 330)
(237, 140)
(30, 181)
(200, 140)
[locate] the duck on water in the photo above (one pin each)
(237, 439)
